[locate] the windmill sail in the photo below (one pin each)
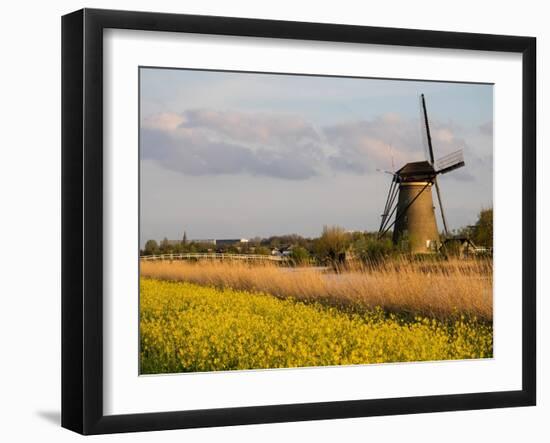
(427, 127)
(432, 162)
(450, 162)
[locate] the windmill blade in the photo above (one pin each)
(432, 161)
(441, 208)
(392, 193)
(450, 162)
(422, 130)
(428, 134)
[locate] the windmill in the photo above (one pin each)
(410, 199)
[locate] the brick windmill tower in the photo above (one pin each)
(410, 199)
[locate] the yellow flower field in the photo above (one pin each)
(185, 327)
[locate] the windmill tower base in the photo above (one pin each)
(415, 229)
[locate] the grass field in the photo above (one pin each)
(189, 327)
(437, 290)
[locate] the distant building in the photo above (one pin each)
(208, 241)
(221, 241)
(462, 247)
(230, 241)
(283, 251)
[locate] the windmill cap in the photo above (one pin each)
(416, 171)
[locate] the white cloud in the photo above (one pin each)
(443, 135)
(287, 146)
(201, 142)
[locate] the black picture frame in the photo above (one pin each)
(82, 219)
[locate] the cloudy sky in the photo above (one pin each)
(227, 155)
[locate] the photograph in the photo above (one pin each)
(294, 220)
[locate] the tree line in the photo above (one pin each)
(334, 245)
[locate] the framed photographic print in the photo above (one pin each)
(269, 221)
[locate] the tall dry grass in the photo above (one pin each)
(438, 290)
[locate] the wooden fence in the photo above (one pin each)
(213, 256)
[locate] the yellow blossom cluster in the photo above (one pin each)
(185, 327)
